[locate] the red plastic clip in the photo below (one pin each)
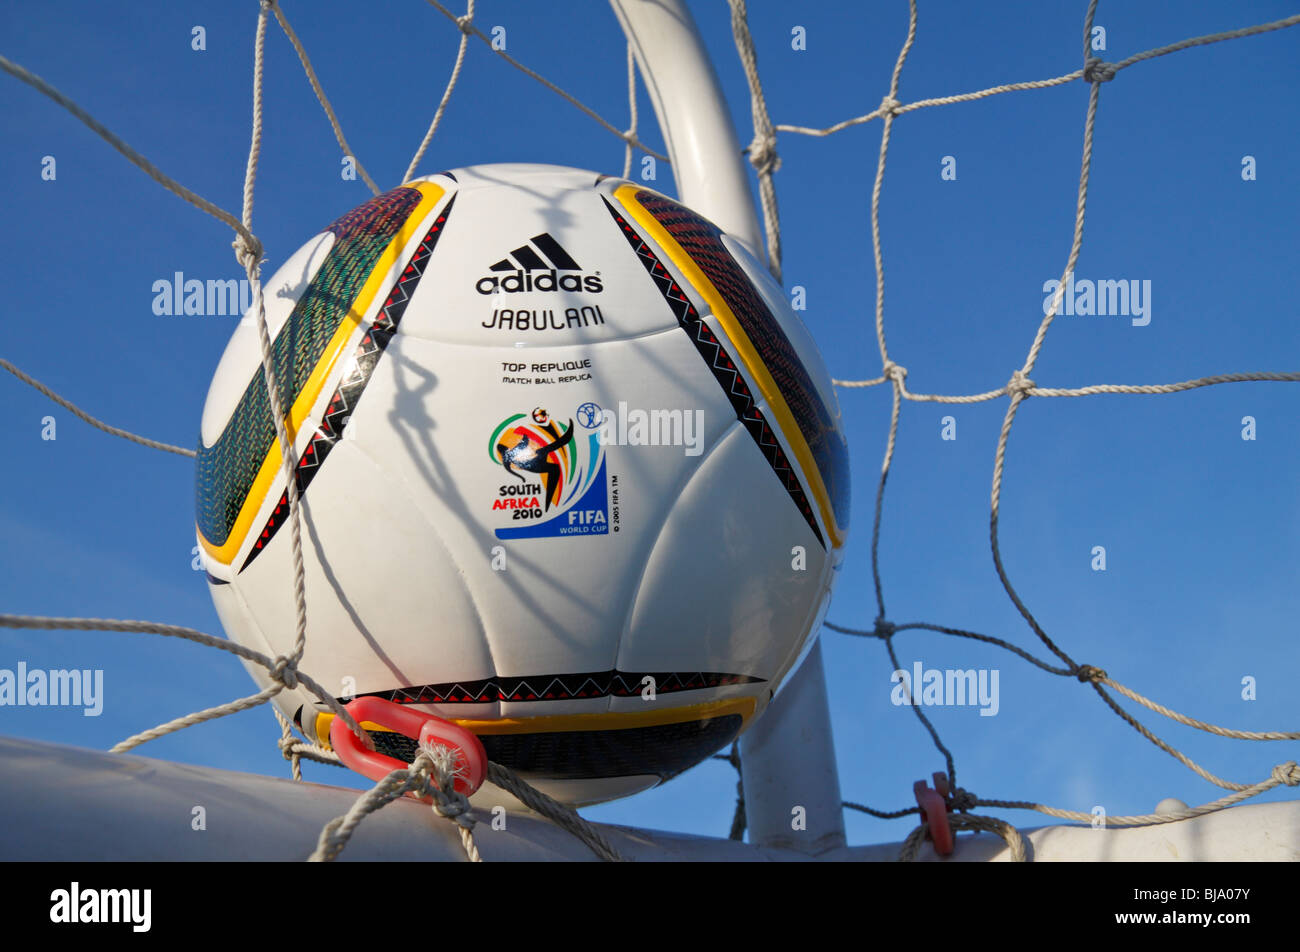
(934, 812)
(471, 758)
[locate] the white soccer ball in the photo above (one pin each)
(572, 474)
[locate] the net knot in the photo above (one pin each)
(287, 744)
(248, 252)
(286, 672)
(963, 800)
(451, 806)
(1098, 71)
(439, 767)
(894, 372)
(465, 23)
(884, 629)
(889, 106)
(762, 154)
(1020, 383)
(1086, 673)
(1287, 773)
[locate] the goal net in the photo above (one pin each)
(1046, 252)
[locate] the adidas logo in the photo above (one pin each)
(536, 266)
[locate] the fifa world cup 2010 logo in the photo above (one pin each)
(559, 483)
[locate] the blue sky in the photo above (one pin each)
(1199, 525)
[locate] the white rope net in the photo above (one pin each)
(432, 773)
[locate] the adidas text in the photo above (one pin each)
(523, 281)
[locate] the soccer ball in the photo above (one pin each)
(572, 474)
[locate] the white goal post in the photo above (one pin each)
(70, 804)
(788, 757)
